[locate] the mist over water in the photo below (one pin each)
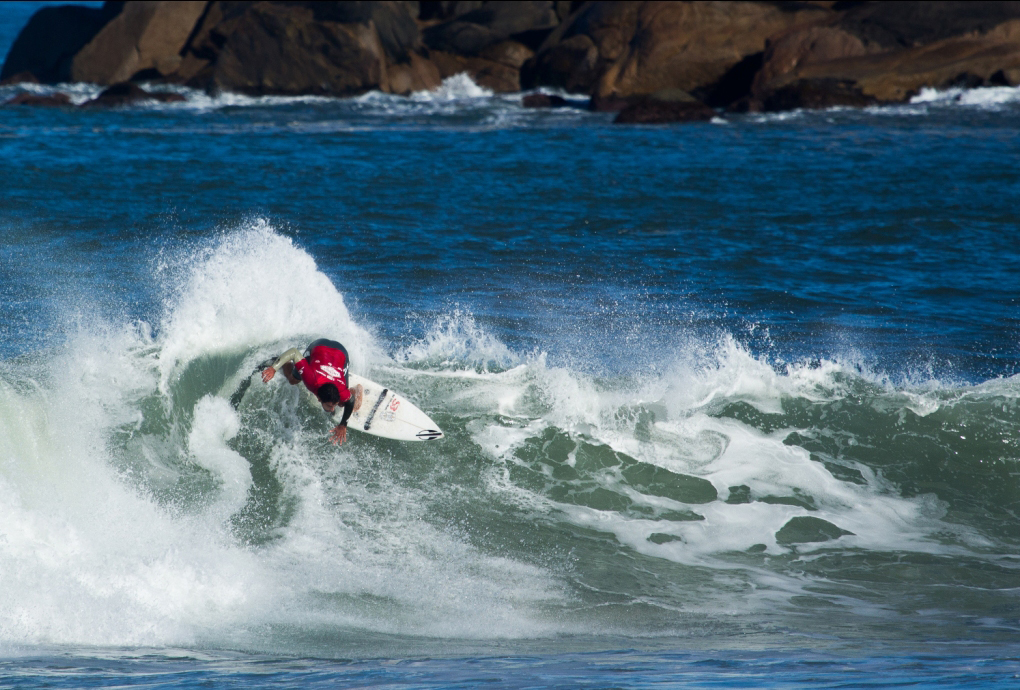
(711, 387)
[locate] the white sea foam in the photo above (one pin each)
(457, 340)
(120, 490)
(90, 553)
(985, 97)
(252, 287)
(455, 88)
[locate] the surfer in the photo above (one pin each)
(323, 370)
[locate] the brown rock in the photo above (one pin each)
(806, 46)
(1006, 77)
(19, 78)
(572, 64)
(53, 99)
(126, 93)
(607, 104)
(642, 47)
(283, 50)
(897, 25)
(471, 32)
(891, 76)
(653, 112)
(664, 107)
(417, 74)
(144, 36)
(816, 93)
(543, 100)
(509, 53)
(448, 9)
(47, 44)
(489, 74)
(339, 49)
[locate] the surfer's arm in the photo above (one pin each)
(290, 356)
(339, 433)
(348, 411)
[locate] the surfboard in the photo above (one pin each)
(388, 414)
(383, 412)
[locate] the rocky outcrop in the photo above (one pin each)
(496, 67)
(740, 55)
(19, 78)
(489, 41)
(338, 49)
(145, 38)
(126, 93)
(664, 107)
(49, 101)
(491, 23)
(631, 49)
(887, 52)
(47, 45)
(543, 100)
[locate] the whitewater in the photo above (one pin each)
(142, 509)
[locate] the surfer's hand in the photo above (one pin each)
(338, 435)
(267, 374)
(359, 393)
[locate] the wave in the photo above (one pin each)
(141, 508)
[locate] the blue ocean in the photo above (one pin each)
(731, 404)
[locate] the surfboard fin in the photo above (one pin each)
(242, 388)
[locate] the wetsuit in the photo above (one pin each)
(324, 361)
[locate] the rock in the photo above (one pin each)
(659, 110)
(489, 74)
(48, 43)
(571, 64)
(630, 49)
(496, 68)
(338, 49)
(897, 25)
(824, 66)
(806, 530)
(1005, 77)
(126, 93)
(509, 53)
(417, 74)
(543, 100)
(807, 46)
(442, 11)
(51, 100)
(471, 32)
(815, 94)
(19, 78)
(144, 36)
(607, 104)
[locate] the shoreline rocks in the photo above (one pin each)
(628, 57)
(53, 100)
(126, 93)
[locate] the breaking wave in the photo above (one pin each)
(140, 507)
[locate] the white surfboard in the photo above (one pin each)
(388, 414)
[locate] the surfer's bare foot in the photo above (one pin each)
(358, 395)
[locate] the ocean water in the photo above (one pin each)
(732, 404)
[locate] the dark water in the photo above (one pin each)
(732, 404)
